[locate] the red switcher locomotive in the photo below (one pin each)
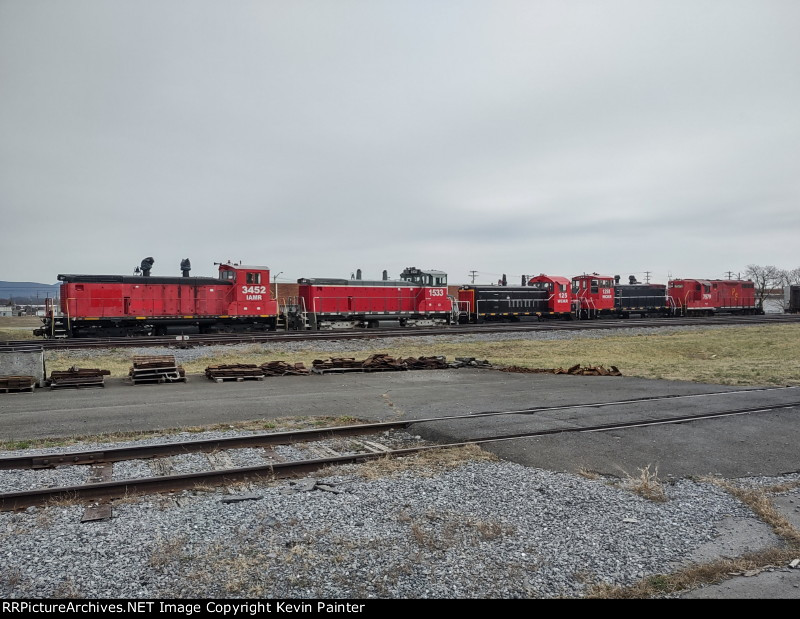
(419, 298)
(543, 296)
(704, 297)
(239, 299)
(130, 305)
(603, 296)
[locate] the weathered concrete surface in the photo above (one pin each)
(23, 361)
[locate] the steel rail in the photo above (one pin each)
(141, 452)
(274, 336)
(151, 485)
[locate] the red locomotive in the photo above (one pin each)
(114, 305)
(543, 296)
(418, 299)
(697, 297)
(601, 295)
(240, 299)
(594, 295)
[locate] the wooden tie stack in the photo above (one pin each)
(9, 384)
(236, 371)
(156, 369)
(77, 377)
(426, 363)
(374, 363)
(281, 368)
(575, 370)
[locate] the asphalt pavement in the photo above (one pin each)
(757, 443)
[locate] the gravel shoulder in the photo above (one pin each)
(475, 530)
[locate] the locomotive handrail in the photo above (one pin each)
(671, 305)
(459, 305)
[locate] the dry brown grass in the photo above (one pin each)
(16, 334)
(706, 574)
(722, 569)
(589, 473)
(646, 484)
(757, 355)
(259, 425)
(67, 589)
(439, 531)
(784, 487)
(166, 551)
(758, 500)
(18, 327)
(427, 463)
(20, 322)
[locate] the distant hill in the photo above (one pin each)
(24, 293)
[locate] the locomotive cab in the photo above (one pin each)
(559, 299)
(424, 278)
(250, 294)
(594, 294)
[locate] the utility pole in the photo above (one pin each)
(647, 277)
(472, 275)
(729, 274)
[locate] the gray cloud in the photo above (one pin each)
(317, 138)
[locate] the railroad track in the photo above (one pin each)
(327, 445)
(284, 336)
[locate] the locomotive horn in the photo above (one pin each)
(147, 264)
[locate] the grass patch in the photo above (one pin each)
(19, 322)
(717, 571)
(705, 574)
(758, 500)
(259, 425)
(428, 463)
(18, 327)
(646, 484)
(753, 355)
(437, 531)
(17, 334)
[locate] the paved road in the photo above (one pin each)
(755, 444)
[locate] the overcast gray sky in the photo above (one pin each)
(317, 137)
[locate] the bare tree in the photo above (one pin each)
(791, 277)
(765, 279)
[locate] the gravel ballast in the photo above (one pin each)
(478, 529)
